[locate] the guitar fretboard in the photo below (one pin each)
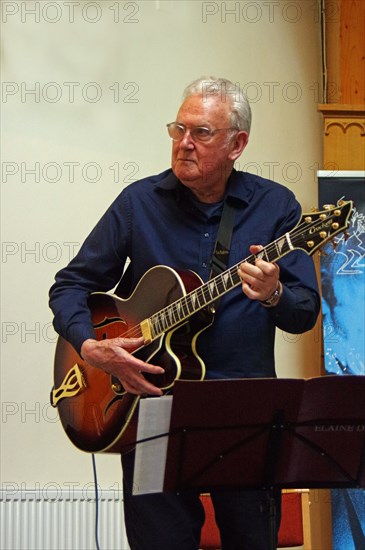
(179, 311)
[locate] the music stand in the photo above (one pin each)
(267, 433)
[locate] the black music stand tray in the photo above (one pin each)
(267, 433)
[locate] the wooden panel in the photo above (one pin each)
(343, 137)
(344, 22)
(352, 59)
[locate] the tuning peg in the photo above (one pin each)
(314, 209)
(346, 235)
(334, 244)
(322, 253)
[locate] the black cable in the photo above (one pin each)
(96, 503)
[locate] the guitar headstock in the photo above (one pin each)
(317, 228)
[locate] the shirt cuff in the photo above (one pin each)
(78, 333)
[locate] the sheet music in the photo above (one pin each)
(149, 468)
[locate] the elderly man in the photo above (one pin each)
(173, 219)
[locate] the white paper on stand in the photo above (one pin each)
(149, 467)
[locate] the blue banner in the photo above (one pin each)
(343, 308)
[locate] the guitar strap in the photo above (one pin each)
(223, 242)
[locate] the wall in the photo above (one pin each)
(87, 88)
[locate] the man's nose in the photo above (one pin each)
(187, 141)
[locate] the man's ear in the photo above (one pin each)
(239, 142)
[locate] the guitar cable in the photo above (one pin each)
(96, 502)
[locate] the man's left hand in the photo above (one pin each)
(259, 281)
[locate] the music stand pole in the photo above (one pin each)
(272, 457)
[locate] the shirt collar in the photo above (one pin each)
(239, 188)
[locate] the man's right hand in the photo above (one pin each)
(114, 356)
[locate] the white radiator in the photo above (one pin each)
(60, 522)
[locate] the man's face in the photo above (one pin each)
(204, 167)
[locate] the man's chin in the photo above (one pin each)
(186, 172)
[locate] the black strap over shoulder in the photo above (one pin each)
(223, 242)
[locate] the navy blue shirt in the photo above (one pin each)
(157, 221)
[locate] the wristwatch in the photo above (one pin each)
(273, 300)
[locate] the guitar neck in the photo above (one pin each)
(313, 230)
(181, 310)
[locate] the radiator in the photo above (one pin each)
(56, 521)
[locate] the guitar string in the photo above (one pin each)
(175, 309)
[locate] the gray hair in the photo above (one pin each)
(208, 86)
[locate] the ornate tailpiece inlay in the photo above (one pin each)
(72, 384)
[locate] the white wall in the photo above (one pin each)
(76, 57)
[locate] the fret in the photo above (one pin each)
(288, 240)
(156, 323)
(171, 314)
(187, 305)
(194, 299)
(264, 255)
(201, 298)
(176, 312)
(280, 243)
(206, 293)
(235, 277)
(161, 321)
(154, 333)
(179, 310)
(211, 288)
(225, 279)
(190, 302)
(220, 287)
(168, 318)
(260, 255)
(184, 308)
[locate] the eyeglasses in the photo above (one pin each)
(198, 133)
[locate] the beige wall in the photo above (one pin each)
(87, 90)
